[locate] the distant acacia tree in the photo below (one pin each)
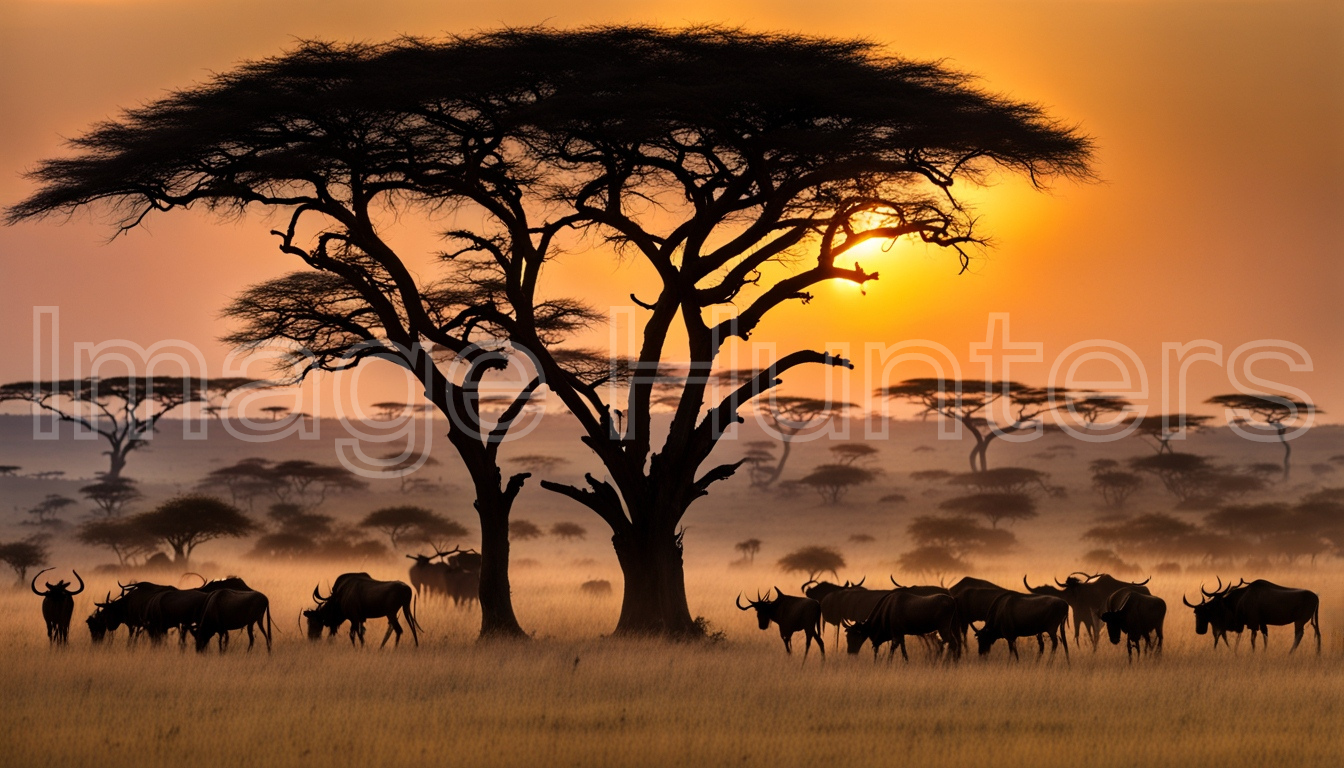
(524, 530)
(127, 539)
(993, 506)
(44, 512)
(276, 412)
(1115, 486)
(811, 148)
(814, 561)
(1165, 427)
(568, 531)
(749, 548)
(1268, 412)
(111, 495)
(386, 411)
(297, 481)
(403, 469)
(970, 401)
(407, 523)
(833, 481)
(9, 470)
(852, 453)
(1003, 480)
(186, 522)
(1184, 475)
(962, 535)
(789, 417)
(932, 560)
(22, 556)
(124, 410)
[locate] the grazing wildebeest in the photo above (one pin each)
(1258, 605)
(1214, 613)
(1087, 598)
(356, 598)
(128, 608)
(178, 609)
(58, 605)
(1139, 615)
(229, 609)
(596, 587)
(818, 590)
(974, 597)
(1016, 615)
(904, 612)
(793, 614)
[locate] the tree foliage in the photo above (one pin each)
(833, 481)
(185, 522)
(411, 524)
(22, 556)
(994, 506)
(813, 560)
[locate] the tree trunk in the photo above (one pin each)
(654, 600)
(496, 596)
(116, 463)
(1287, 453)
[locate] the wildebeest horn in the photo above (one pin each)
(859, 584)
(895, 583)
(1188, 604)
(197, 575)
(106, 601)
(807, 583)
(33, 586)
(1145, 581)
(778, 594)
(317, 595)
(1057, 581)
(740, 607)
(81, 583)
(1028, 586)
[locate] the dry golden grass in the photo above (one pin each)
(574, 698)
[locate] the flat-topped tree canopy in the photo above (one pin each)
(744, 168)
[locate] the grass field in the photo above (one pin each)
(573, 697)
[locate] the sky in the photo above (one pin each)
(1219, 128)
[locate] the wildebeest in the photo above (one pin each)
(356, 598)
(427, 576)
(457, 575)
(1014, 615)
(128, 608)
(58, 605)
(1087, 598)
(973, 597)
(229, 609)
(818, 590)
(902, 612)
(1139, 615)
(793, 614)
(596, 587)
(1257, 605)
(181, 609)
(852, 603)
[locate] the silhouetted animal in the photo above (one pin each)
(178, 609)
(818, 590)
(1087, 598)
(596, 587)
(356, 598)
(973, 597)
(58, 605)
(1256, 605)
(904, 612)
(128, 608)
(1015, 615)
(229, 609)
(427, 576)
(1139, 616)
(849, 604)
(792, 614)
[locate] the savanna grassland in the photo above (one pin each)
(573, 696)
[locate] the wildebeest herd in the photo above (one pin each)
(942, 617)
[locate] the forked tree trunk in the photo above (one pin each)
(116, 462)
(654, 600)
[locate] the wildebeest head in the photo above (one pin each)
(856, 634)
(325, 615)
(59, 588)
(985, 638)
(818, 590)
(102, 620)
(1112, 621)
(763, 606)
(1213, 610)
(420, 559)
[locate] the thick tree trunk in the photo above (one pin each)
(116, 463)
(497, 618)
(654, 601)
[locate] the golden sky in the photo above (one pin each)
(1220, 128)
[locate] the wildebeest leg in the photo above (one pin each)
(1012, 648)
(1299, 629)
(788, 642)
(392, 626)
(251, 639)
(354, 632)
(1040, 640)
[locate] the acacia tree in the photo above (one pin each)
(186, 522)
(770, 159)
(788, 417)
(1270, 412)
(124, 410)
(1165, 427)
(970, 403)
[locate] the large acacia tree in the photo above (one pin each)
(745, 169)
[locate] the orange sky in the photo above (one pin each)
(1220, 128)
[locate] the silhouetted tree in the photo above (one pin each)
(9, 470)
(813, 147)
(1116, 487)
(127, 539)
(413, 524)
(760, 462)
(1267, 412)
(814, 561)
(833, 481)
(749, 548)
(961, 535)
(1003, 480)
(789, 417)
(524, 530)
(387, 411)
(403, 469)
(23, 556)
(112, 495)
(1184, 475)
(124, 410)
(45, 511)
(568, 531)
(851, 453)
(186, 522)
(971, 402)
(276, 411)
(994, 506)
(1107, 561)
(1165, 427)
(932, 560)
(930, 475)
